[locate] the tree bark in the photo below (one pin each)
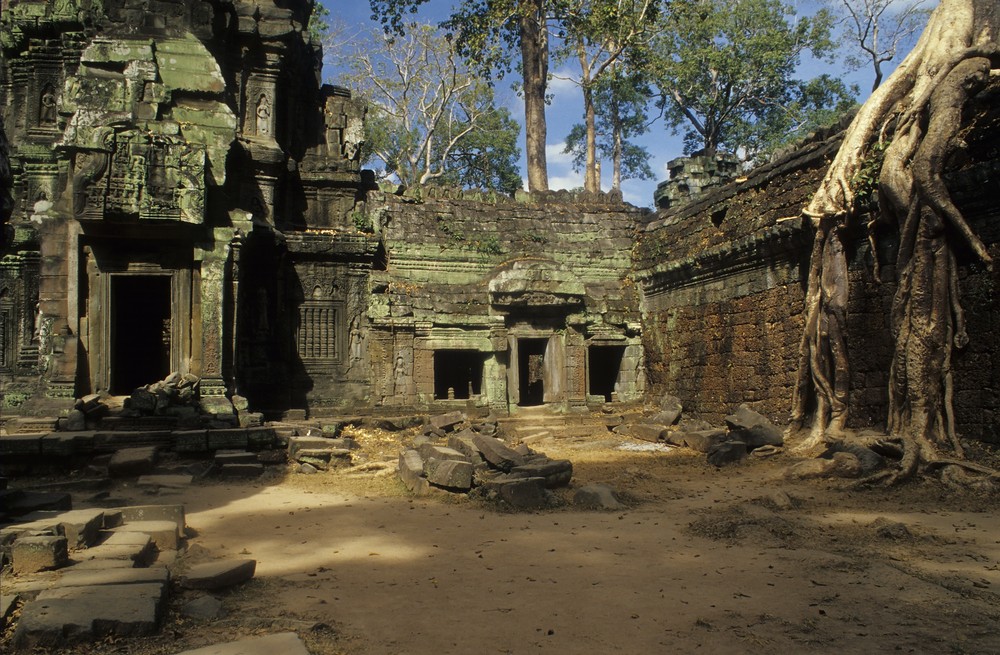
(920, 106)
(535, 73)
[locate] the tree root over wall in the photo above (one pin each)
(919, 113)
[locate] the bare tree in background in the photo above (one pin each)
(877, 30)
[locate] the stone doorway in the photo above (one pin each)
(605, 365)
(531, 367)
(140, 331)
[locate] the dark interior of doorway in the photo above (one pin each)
(458, 374)
(605, 365)
(531, 368)
(140, 331)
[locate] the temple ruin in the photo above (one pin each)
(187, 197)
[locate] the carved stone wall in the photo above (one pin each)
(723, 281)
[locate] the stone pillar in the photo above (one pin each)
(212, 340)
(57, 341)
(576, 363)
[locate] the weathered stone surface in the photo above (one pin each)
(223, 457)
(753, 429)
(556, 472)
(463, 443)
(73, 577)
(285, 643)
(727, 452)
(81, 527)
(433, 451)
(33, 554)
(295, 444)
(219, 574)
(190, 441)
(74, 614)
(130, 462)
(411, 471)
(241, 470)
(228, 439)
(520, 493)
(7, 604)
(448, 421)
(450, 474)
(647, 431)
(76, 421)
(132, 513)
(704, 441)
(164, 534)
(133, 546)
(204, 608)
(597, 496)
(497, 453)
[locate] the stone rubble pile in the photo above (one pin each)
(455, 456)
(175, 395)
(746, 432)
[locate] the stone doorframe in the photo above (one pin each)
(96, 327)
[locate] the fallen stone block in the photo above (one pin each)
(647, 431)
(295, 444)
(7, 604)
(260, 438)
(411, 471)
(285, 643)
(463, 443)
(557, 472)
(727, 452)
(753, 429)
(204, 608)
(41, 553)
(134, 513)
(497, 453)
(447, 422)
(132, 462)
(597, 496)
(68, 615)
(218, 575)
(81, 527)
(76, 421)
(324, 458)
(432, 451)
(164, 534)
(703, 441)
(136, 547)
(74, 577)
(519, 493)
(450, 474)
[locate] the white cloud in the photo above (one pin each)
(554, 155)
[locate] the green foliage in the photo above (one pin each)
(362, 221)
(865, 181)
(487, 157)
(319, 22)
(725, 70)
(620, 102)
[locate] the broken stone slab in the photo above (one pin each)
(285, 643)
(74, 577)
(753, 429)
(433, 451)
(67, 615)
(519, 493)
(557, 472)
(81, 527)
(463, 443)
(648, 431)
(670, 403)
(449, 474)
(411, 471)
(7, 604)
(727, 452)
(131, 513)
(39, 553)
(131, 546)
(234, 457)
(219, 574)
(597, 496)
(869, 460)
(132, 462)
(447, 422)
(703, 441)
(76, 421)
(497, 453)
(164, 534)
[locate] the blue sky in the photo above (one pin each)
(567, 107)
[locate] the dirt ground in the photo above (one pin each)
(732, 560)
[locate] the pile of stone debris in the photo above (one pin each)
(746, 432)
(454, 455)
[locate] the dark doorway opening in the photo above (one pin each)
(458, 374)
(605, 365)
(531, 368)
(140, 331)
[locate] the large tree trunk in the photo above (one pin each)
(535, 75)
(919, 107)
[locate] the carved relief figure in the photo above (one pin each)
(263, 115)
(47, 106)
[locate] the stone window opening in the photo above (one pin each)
(605, 367)
(458, 374)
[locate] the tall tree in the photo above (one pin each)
(725, 69)
(600, 34)
(620, 102)
(428, 114)
(489, 33)
(916, 121)
(875, 30)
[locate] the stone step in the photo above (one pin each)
(165, 535)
